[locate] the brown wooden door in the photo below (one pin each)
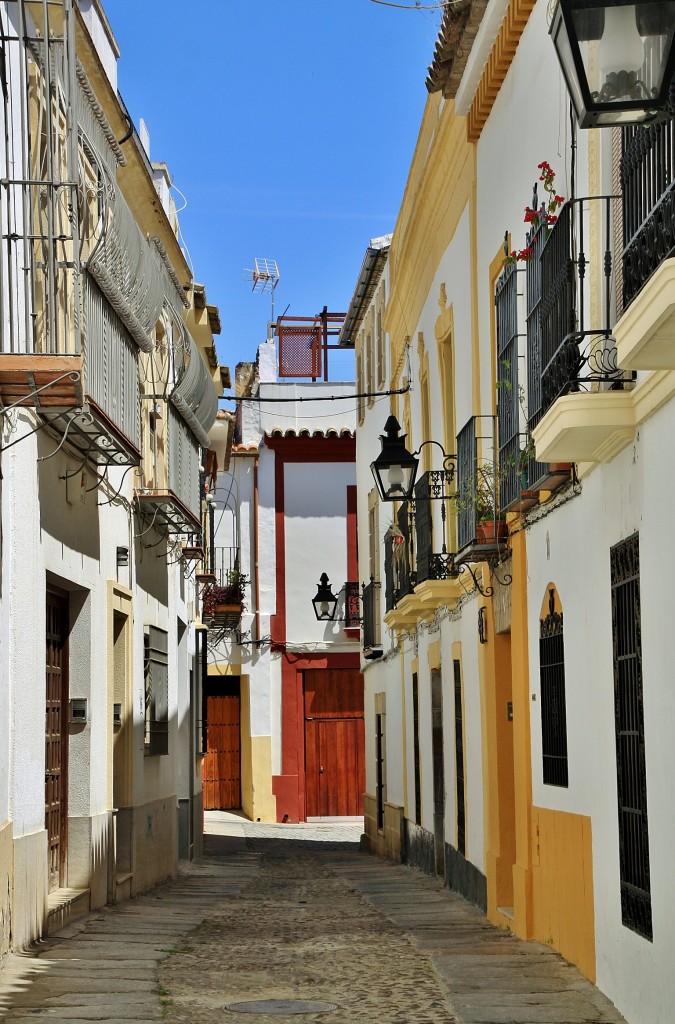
(221, 768)
(334, 743)
(56, 737)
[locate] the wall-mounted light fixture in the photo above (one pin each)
(618, 59)
(122, 556)
(395, 468)
(325, 603)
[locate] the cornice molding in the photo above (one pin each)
(438, 192)
(497, 66)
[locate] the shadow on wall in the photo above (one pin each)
(68, 500)
(151, 565)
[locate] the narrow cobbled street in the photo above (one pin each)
(288, 923)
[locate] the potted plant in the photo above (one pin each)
(480, 500)
(223, 605)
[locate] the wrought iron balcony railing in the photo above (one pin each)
(479, 525)
(576, 354)
(434, 505)
(510, 391)
(371, 617)
(399, 580)
(648, 194)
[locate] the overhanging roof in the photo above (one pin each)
(371, 270)
(459, 26)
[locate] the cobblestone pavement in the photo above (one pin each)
(294, 912)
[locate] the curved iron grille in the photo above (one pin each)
(553, 706)
(648, 191)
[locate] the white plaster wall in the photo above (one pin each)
(571, 549)
(106, 49)
(315, 497)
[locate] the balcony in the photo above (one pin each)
(586, 409)
(222, 606)
(481, 531)
(436, 572)
(372, 638)
(645, 331)
(520, 476)
(170, 498)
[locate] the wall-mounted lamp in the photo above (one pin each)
(325, 602)
(122, 556)
(618, 59)
(395, 468)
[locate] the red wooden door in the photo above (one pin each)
(221, 768)
(334, 743)
(56, 737)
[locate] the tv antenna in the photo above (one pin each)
(265, 277)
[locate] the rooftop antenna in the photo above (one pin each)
(265, 277)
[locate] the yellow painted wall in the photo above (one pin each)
(498, 769)
(562, 871)
(522, 746)
(257, 799)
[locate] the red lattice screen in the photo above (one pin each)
(299, 350)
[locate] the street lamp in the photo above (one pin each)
(325, 602)
(395, 468)
(618, 59)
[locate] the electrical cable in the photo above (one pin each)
(319, 398)
(418, 6)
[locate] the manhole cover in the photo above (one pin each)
(281, 1006)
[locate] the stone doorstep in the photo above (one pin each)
(65, 906)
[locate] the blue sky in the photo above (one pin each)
(289, 126)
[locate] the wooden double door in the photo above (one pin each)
(334, 743)
(221, 767)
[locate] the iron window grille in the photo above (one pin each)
(398, 558)
(647, 174)
(371, 615)
(477, 479)
(636, 905)
(536, 238)
(434, 561)
(379, 770)
(510, 390)
(156, 671)
(553, 706)
(416, 749)
(459, 759)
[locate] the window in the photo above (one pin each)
(636, 905)
(360, 402)
(380, 758)
(459, 759)
(379, 343)
(416, 749)
(156, 671)
(552, 679)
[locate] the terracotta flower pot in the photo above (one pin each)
(491, 531)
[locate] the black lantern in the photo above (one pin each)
(618, 59)
(395, 468)
(325, 602)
